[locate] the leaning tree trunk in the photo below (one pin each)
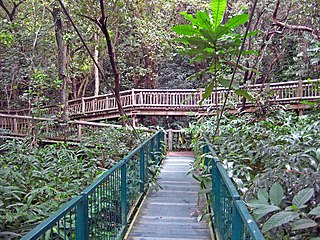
(95, 68)
(112, 57)
(62, 61)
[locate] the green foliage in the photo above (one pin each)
(6, 38)
(36, 181)
(274, 162)
(207, 39)
(295, 215)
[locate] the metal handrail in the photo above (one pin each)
(103, 208)
(231, 218)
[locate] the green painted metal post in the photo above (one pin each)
(142, 170)
(124, 194)
(205, 149)
(152, 150)
(82, 229)
(236, 222)
(159, 142)
(216, 178)
(162, 138)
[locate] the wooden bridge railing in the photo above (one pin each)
(283, 93)
(20, 126)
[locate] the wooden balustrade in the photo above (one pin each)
(282, 93)
(20, 126)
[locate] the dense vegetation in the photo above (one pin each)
(43, 60)
(274, 160)
(275, 163)
(35, 181)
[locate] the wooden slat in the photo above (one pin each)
(171, 213)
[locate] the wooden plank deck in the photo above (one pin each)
(171, 213)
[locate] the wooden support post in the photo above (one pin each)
(170, 140)
(300, 89)
(15, 125)
(83, 105)
(134, 120)
(141, 99)
(133, 97)
(79, 131)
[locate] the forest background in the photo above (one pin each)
(44, 62)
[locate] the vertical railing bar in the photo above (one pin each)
(64, 227)
(124, 194)
(142, 170)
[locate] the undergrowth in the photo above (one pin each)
(275, 164)
(35, 181)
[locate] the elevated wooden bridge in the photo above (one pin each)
(181, 102)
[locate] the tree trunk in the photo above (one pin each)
(103, 26)
(62, 61)
(95, 68)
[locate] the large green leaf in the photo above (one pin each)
(220, 31)
(186, 29)
(278, 219)
(203, 20)
(190, 17)
(261, 210)
(276, 194)
(263, 195)
(236, 21)
(303, 224)
(208, 91)
(209, 35)
(302, 197)
(244, 93)
(315, 211)
(264, 210)
(199, 42)
(218, 8)
(226, 83)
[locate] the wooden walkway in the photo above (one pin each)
(181, 102)
(171, 213)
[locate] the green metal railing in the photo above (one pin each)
(231, 218)
(102, 209)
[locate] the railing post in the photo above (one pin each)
(141, 99)
(151, 151)
(83, 105)
(79, 131)
(15, 125)
(124, 194)
(82, 231)
(205, 149)
(133, 97)
(300, 89)
(142, 170)
(158, 142)
(216, 179)
(236, 222)
(170, 139)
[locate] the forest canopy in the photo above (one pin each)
(43, 58)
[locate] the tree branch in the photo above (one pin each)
(279, 23)
(271, 65)
(11, 14)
